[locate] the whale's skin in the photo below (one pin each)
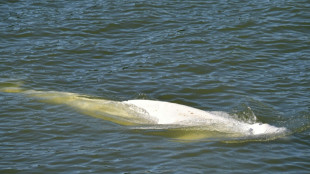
(153, 114)
(177, 114)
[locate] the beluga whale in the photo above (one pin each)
(158, 117)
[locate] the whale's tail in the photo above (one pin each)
(11, 86)
(109, 110)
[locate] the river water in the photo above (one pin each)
(247, 58)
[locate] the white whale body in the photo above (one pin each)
(151, 114)
(177, 114)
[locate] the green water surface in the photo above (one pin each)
(234, 56)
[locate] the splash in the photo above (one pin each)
(158, 117)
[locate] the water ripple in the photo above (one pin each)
(213, 55)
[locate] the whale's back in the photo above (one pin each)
(170, 113)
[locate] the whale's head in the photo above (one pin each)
(261, 129)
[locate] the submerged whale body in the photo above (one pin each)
(150, 114)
